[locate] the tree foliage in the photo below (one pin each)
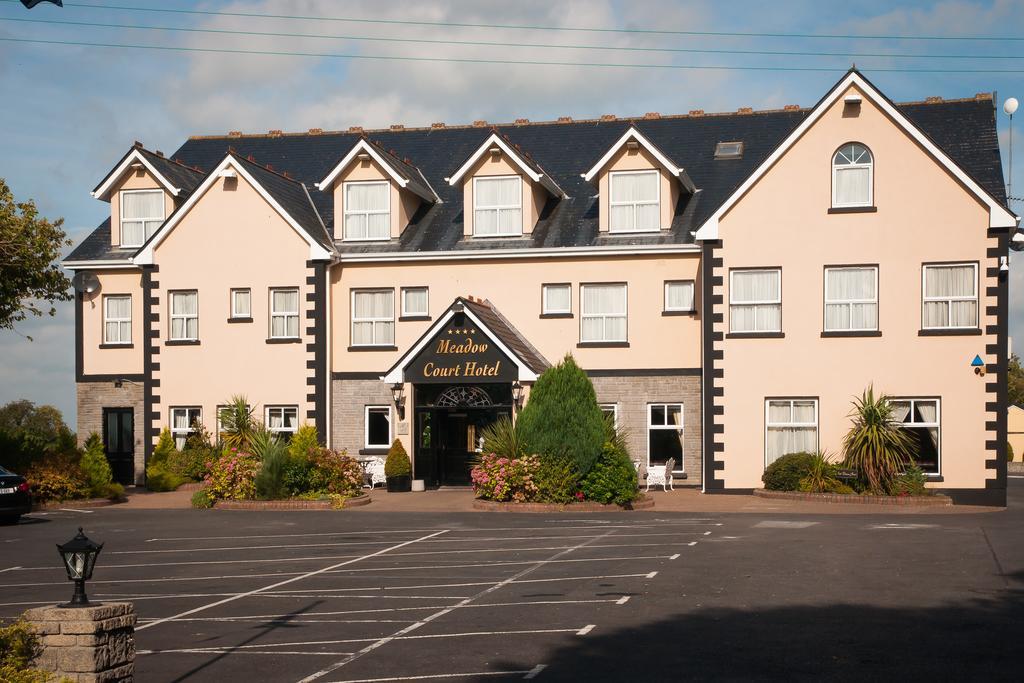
(30, 279)
(1015, 382)
(30, 433)
(562, 417)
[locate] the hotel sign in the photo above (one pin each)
(460, 354)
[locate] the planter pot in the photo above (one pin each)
(419, 485)
(400, 484)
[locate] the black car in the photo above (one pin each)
(15, 497)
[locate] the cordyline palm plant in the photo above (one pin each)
(237, 425)
(876, 446)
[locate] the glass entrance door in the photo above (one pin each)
(119, 443)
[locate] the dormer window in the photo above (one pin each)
(635, 201)
(498, 206)
(367, 210)
(142, 212)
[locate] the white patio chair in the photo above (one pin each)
(661, 474)
(375, 470)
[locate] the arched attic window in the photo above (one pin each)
(852, 176)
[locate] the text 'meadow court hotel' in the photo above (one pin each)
(728, 281)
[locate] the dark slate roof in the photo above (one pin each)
(293, 198)
(178, 174)
(405, 169)
(97, 247)
(506, 333)
(964, 129)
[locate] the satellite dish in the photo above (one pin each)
(85, 281)
(1010, 105)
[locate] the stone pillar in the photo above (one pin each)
(94, 644)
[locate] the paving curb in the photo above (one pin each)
(644, 503)
(190, 486)
(84, 503)
(358, 501)
(937, 500)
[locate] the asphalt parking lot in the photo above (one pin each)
(357, 596)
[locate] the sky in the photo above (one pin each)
(68, 113)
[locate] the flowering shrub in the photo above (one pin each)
(57, 478)
(334, 472)
(499, 478)
(232, 475)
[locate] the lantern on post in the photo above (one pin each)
(79, 556)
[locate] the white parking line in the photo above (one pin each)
(427, 677)
(499, 563)
(585, 630)
(437, 615)
(9, 569)
(235, 651)
(285, 582)
(535, 671)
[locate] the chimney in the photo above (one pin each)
(745, 110)
(652, 115)
(275, 133)
(316, 131)
(355, 129)
(565, 119)
(696, 113)
(397, 126)
(522, 122)
(235, 134)
(608, 117)
(437, 124)
(933, 100)
(480, 124)
(791, 107)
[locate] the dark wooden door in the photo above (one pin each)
(119, 443)
(455, 450)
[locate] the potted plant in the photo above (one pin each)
(397, 469)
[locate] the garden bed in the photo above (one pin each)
(292, 504)
(190, 486)
(83, 503)
(642, 503)
(937, 500)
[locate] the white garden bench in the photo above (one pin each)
(661, 474)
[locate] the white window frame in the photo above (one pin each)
(765, 302)
(657, 201)
(283, 407)
(950, 299)
(680, 466)
(588, 316)
(108, 319)
(544, 298)
(219, 427)
(871, 176)
(849, 303)
(693, 296)
(284, 314)
(937, 425)
(768, 424)
(406, 313)
(354, 320)
(183, 433)
(366, 425)
(613, 408)
(235, 313)
(172, 316)
(159, 219)
(721, 147)
(498, 207)
(365, 213)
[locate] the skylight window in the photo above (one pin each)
(729, 150)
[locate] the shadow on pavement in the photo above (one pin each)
(975, 640)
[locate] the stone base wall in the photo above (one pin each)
(633, 393)
(93, 397)
(87, 644)
(349, 398)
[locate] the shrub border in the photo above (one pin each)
(642, 503)
(291, 504)
(81, 503)
(938, 500)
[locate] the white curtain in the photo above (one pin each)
(853, 186)
(679, 296)
(956, 285)
(142, 213)
(748, 286)
(241, 306)
(184, 315)
(284, 318)
(634, 201)
(558, 299)
(856, 286)
(792, 428)
(900, 410)
(926, 411)
(373, 318)
(367, 211)
(119, 319)
(498, 206)
(416, 301)
(604, 313)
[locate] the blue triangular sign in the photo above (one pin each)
(977, 362)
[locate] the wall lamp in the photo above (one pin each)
(398, 396)
(517, 394)
(120, 382)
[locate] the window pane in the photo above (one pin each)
(374, 304)
(143, 204)
(367, 197)
(355, 226)
(755, 285)
(837, 316)
(675, 415)
(241, 303)
(378, 427)
(853, 185)
(604, 299)
(863, 316)
(510, 221)
(664, 444)
(378, 225)
(292, 325)
(648, 217)
(926, 448)
(592, 329)
(183, 303)
(963, 314)
(362, 333)
(615, 329)
(846, 284)
(679, 296)
(803, 412)
(784, 440)
(634, 187)
(936, 313)
(557, 298)
(416, 301)
(657, 415)
(285, 301)
(385, 333)
(779, 412)
(491, 192)
(926, 411)
(486, 222)
(951, 281)
(132, 233)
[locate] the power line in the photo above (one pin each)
(484, 43)
(463, 60)
(529, 27)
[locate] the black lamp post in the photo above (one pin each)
(79, 555)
